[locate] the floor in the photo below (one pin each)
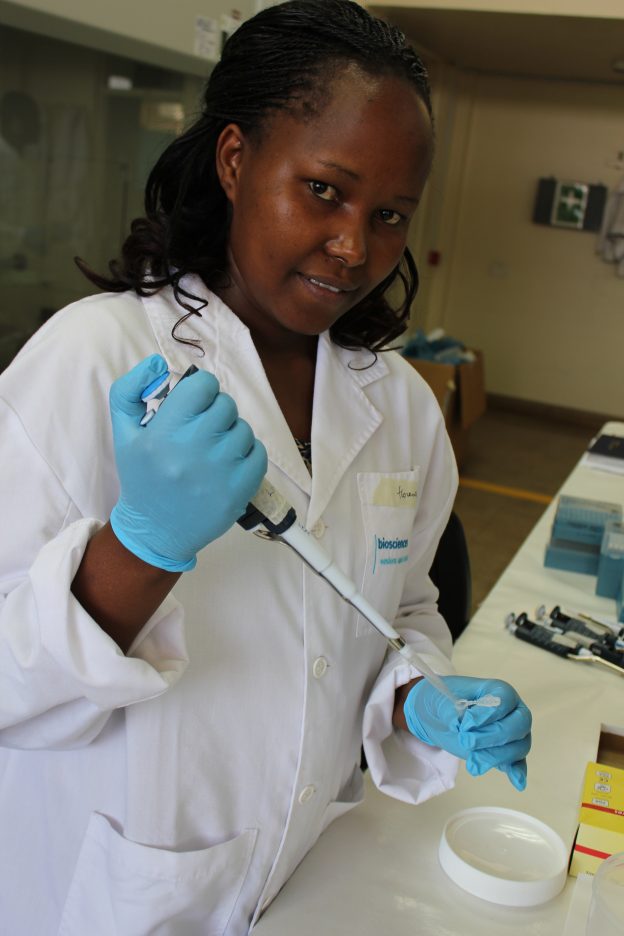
(530, 457)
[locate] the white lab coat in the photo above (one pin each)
(174, 790)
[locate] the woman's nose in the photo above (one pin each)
(348, 245)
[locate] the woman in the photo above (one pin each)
(183, 703)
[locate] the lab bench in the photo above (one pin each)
(375, 871)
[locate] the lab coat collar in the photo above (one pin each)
(343, 417)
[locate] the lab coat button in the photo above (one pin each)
(306, 794)
(319, 667)
(318, 530)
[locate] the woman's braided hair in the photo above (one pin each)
(282, 59)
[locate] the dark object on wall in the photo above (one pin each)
(20, 120)
(574, 205)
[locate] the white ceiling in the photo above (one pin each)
(564, 47)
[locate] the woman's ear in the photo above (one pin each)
(229, 152)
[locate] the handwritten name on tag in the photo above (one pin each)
(393, 492)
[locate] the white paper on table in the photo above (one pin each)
(578, 911)
(616, 468)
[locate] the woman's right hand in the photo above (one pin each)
(187, 476)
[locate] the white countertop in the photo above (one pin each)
(375, 871)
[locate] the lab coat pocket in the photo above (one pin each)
(127, 889)
(350, 796)
(389, 502)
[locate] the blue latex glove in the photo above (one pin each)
(188, 475)
(484, 737)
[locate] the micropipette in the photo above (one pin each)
(270, 509)
(158, 390)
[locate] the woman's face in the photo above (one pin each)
(320, 208)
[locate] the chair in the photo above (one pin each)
(450, 573)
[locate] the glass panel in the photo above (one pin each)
(79, 132)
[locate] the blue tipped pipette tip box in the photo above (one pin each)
(572, 557)
(578, 532)
(582, 520)
(611, 561)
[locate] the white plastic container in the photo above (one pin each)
(504, 856)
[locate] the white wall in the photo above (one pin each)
(159, 33)
(598, 8)
(546, 310)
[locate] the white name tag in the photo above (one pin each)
(393, 492)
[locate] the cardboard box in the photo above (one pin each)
(460, 391)
(601, 822)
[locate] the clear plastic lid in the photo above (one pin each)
(608, 895)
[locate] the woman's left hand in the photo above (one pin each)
(483, 736)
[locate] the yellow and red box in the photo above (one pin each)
(601, 822)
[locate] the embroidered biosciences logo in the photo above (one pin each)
(389, 551)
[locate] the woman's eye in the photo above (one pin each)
(390, 217)
(322, 190)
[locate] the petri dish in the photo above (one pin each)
(504, 856)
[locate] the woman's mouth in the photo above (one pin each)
(316, 282)
(327, 287)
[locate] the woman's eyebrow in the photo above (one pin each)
(353, 175)
(408, 198)
(339, 168)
